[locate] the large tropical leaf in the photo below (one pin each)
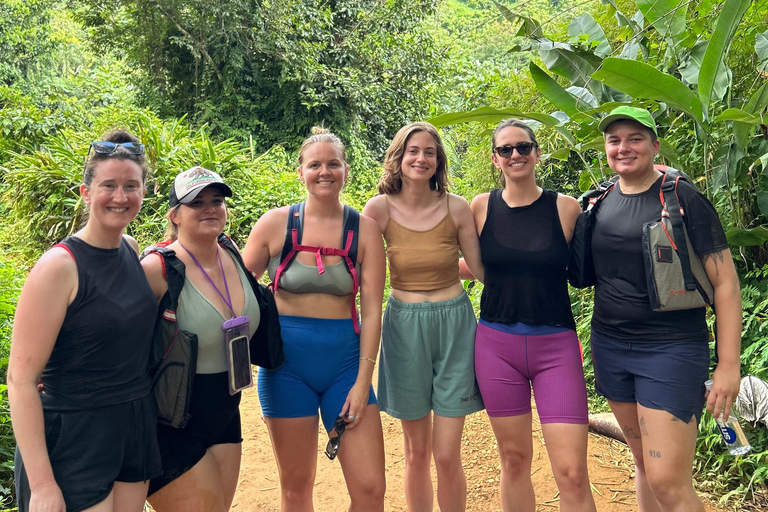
(755, 104)
(747, 237)
(586, 25)
(761, 49)
(529, 28)
(640, 80)
(491, 115)
(666, 16)
(736, 114)
(552, 91)
(713, 62)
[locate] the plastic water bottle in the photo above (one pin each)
(733, 435)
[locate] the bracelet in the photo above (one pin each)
(363, 358)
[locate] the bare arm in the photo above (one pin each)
(377, 209)
(49, 289)
(153, 269)
(372, 275)
(479, 208)
(568, 209)
(256, 253)
(468, 240)
(132, 242)
(722, 274)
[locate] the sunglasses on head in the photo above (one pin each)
(332, 448)
(107, 148)
(523, 148)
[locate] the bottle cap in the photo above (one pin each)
(708, 384)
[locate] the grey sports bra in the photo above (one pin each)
(302, 278)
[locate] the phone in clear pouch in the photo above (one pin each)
(238, 353)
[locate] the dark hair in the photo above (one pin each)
(322, 134)
(514, 123)
(507, 123)
(116, 136)
(391, 181)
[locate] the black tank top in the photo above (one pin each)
(525, 256)
(101, 355)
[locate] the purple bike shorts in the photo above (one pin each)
(508, 365)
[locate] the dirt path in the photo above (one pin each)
(610, 469)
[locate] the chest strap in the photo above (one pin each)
(319, 252)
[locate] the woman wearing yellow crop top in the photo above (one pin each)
(328, 365)
(427, 349)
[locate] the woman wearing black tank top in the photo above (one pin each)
(84, 325)
(526, 336)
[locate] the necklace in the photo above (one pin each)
(643, 186)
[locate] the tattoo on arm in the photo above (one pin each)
(715, 257)
(630, 433)
(656, 454)
(642, 426)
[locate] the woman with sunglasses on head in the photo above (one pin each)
(201, 458)
(84, 326)
(427, 350)
(526, 336)
(309, 252)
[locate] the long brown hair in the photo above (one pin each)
(391, 181)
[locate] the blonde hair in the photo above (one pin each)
(391, 181)
(322, 134)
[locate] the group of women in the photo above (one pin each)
(84, 322)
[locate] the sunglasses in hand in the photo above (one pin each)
(332, 448)
(523, 148)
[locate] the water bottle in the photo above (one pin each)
(733, 435)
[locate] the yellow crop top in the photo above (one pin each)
(423, 260)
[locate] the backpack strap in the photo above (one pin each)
(590, 199)
(670, 208)
(174, 273)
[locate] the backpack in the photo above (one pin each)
(292, 246)
(173, 358)
(675, 279)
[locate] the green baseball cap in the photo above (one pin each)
(640, 115)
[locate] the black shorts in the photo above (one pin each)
(90, 450)
(215, 419)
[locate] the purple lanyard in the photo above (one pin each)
(228, 299)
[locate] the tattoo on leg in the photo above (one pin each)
(715, 257)
(656, 454)
(630, 433)
(642, 426)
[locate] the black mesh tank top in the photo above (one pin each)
(525, 256)
(101, 355)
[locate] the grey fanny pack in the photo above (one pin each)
(675, 275)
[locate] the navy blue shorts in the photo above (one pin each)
(664, 376)
(322, 359)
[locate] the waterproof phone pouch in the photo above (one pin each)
(238, 353)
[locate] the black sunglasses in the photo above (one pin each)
(332, 448)
(523, 148)
(107, 148)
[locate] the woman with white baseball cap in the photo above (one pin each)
(201, 461)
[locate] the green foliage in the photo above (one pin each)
(274, 69)
(24, 36)
(11, 276)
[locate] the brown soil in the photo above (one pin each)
(610, 468)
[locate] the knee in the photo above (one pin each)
(515, 463)
(418, 454)
(448, 461)
(369, 494)
(572, 479)
(296, 490)
(669, 487)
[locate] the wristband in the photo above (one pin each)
(363, 358)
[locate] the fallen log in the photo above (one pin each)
(605, 424)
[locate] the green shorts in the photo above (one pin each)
(428, 359)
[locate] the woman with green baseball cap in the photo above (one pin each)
(651, 365)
